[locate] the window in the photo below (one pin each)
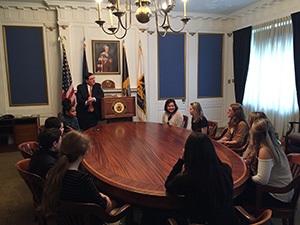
(270, 85)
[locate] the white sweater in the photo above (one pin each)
(276, 175)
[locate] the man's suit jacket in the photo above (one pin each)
(82, 95)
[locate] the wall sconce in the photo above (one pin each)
(64, 26)
(229, 34)
(50, 28)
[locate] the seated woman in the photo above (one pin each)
(238, 130)
(272, 166)
(205, 181)
(68, 117)
(172, 115)
(66, 182)
(199, 122)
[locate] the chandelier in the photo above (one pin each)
(162, 8)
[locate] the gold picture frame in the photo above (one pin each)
(106, 57)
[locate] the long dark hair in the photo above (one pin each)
(73, 145)
(170, 100)
(210, 182)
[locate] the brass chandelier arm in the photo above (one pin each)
(143, 15)
(121, 37)
(184, 22)
(125, 27)
(156, 16)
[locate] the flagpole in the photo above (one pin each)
(85, 69)
(67, 83)
(125, 74)
(141, 89)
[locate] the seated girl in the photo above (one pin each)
(238, 130)
(66, 182)
(172, 115)
(69, 116)
(205, 182)
(199, 122)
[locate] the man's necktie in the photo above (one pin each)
(91, 107)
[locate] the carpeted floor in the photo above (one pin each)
(16, 206)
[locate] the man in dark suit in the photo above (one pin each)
(88, 106)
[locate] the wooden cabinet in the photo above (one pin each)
(6, 128)
(21, 129)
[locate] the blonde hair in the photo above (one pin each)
(262, 133)
(198, 112)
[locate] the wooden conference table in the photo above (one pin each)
(131, 161)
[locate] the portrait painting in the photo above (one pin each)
(106, 57)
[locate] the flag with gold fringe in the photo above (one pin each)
(67, 83)
(125, 77)
(141, 90)
(85, 69)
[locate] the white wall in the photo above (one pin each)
(79, 21)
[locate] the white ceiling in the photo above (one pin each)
(197, 6)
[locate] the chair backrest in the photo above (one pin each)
(70, 213)
(241, 149)
(36, 185)
(212, 128)
(27, 148)
(221, 134)
(108, 84)
(296, 186)
(34, 182)
(41, 128)
(185, 121)
(284, 212)
(246, 218)
(294, 160)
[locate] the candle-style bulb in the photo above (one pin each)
(111, 18)
(99, 8)
(184, 8)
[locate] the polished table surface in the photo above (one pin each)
(131, 161)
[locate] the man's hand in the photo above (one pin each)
(90, 99)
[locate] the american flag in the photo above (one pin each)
(67, 86)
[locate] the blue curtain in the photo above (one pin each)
(296, 39)
(241, 55)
